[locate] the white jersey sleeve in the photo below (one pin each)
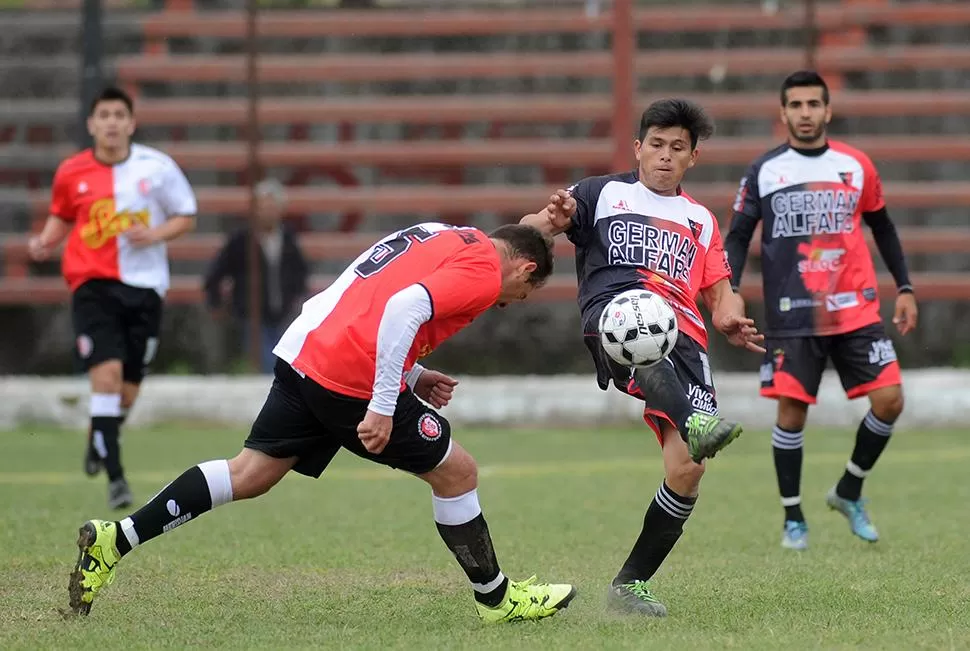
(177, 197)
(403, 315)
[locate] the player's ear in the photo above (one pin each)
(526, 268)
(637, 145)
(91, 125)
(828, 113)
(131, 127)
(693, 157)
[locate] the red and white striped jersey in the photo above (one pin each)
(103, 201)
(334, 341)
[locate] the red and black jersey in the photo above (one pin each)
(817, 271)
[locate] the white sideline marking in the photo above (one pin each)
(512, 470)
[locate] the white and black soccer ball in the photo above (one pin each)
(638, 328)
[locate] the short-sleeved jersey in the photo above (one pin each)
(103, 201)
(627, 237)
(334, 340)
(816, 267)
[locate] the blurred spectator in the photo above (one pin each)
(283, 271)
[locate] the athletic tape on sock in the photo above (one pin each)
(453, 511)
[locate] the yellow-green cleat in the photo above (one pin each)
(97, 557)
(528, 601)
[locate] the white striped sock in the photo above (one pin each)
(673, 503)
(785, 440)
(877, 426)
(856, 471)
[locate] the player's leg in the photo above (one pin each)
(663, 393)
(791, 373)
(663, 525)
(99, 330)
(285, 435)
(867, 365)
(421, 444)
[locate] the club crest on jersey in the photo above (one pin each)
(696, 228)
(846, 177)
(429, 427)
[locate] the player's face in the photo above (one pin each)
(664, 155)
(806, 115)
(111, 125)
(269, 209)
(516, 285)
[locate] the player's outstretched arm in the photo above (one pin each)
(727, 314)
(556, 217)
(40, 246)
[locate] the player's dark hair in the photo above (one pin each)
(666, 113)
(529, 243)
(110, 94)
(801, 79)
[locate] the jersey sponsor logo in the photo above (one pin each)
(841, 301)
(701, 399)
(846, 177)
(882, 352)
(787, 303)
(621, 205)
(819, 260)
(801, 213)
(657, 249)
(105, 223)
(429, 427)
(869, 293)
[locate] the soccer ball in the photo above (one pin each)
(638, 328)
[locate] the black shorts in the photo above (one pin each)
(690, 363)
(302, 419)
(113, 320)
(865, 359)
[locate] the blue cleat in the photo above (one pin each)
(855, 512)
(795, 535)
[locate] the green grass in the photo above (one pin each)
(353, 560)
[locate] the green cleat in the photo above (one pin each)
(707, 435)
(528, 601)
(96, 563)
(635, 597)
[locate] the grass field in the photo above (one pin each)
(354, 561)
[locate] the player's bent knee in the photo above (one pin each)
(792, 414)
(456, 475)
(685, 478)
(253, 473)
(106, 377)
(887, 403)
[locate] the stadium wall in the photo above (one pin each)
(934, 398)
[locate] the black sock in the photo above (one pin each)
(662, 526)
(663, 391)
(104, 436)
(786, 447)
(462, 527)
(195, 491)
(870, 441)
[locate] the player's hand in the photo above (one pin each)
(435, 388)
(37, 250)
(740, 331)
(561, 208)
(375, 431)
(906, 313)
(140, 235)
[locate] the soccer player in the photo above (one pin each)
(821, 298)
(347, 377)
(640, 230)
(117, 204)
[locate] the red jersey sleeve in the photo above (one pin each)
(872, 199)
(467, 284)
(61, 204)
(716, 266)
